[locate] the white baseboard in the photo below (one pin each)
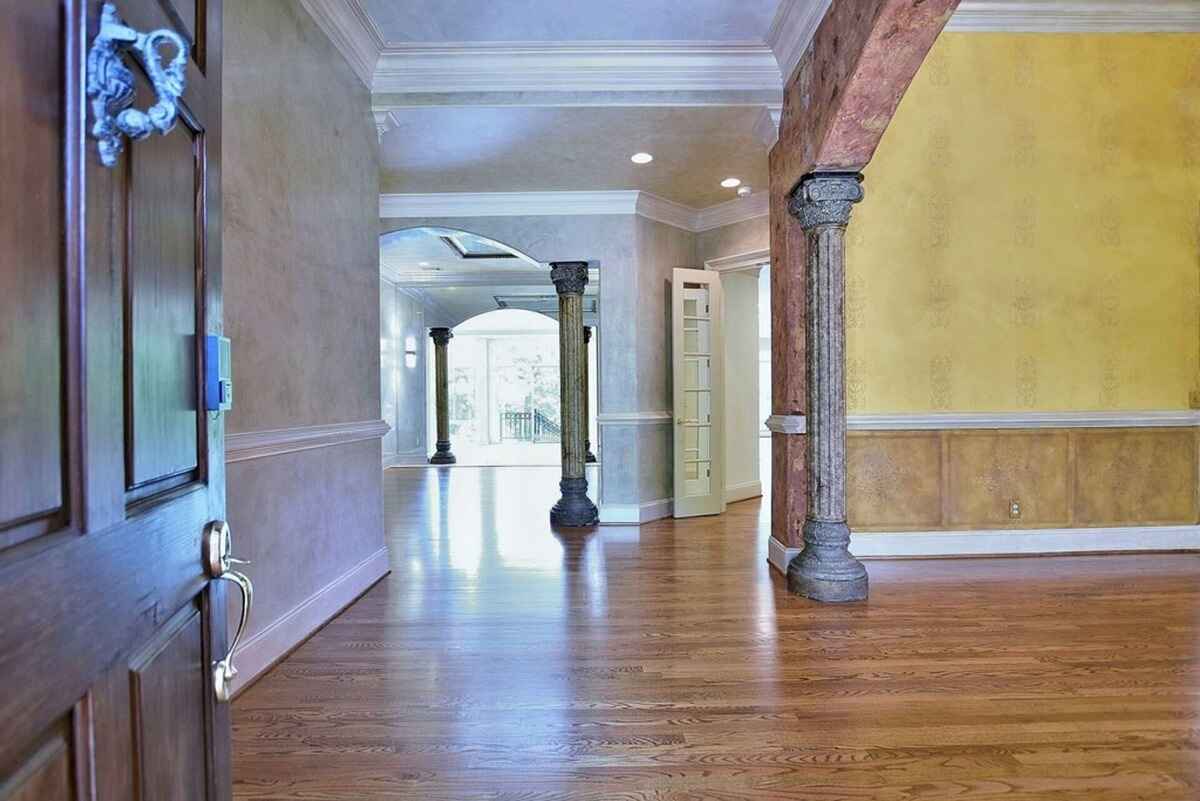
(743, 491)
(408, 459)
(634, 514)
(264, 649)
(1006, 542)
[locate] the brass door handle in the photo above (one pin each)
(218, 563)
(110, 84)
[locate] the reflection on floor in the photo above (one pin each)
(502, 660)
(501, 454)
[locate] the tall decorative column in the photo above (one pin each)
(441, 378)
(588, 456)
(825, 570)
(574, 508)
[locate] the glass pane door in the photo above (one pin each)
(698, 359)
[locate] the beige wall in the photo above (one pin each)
(742, 237)
(302, 308)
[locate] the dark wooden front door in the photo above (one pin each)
(109, 469)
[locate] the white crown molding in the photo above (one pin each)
(558, 204)
(635, 418)
(732, 211)
(1077, 16)
(352, 32)
(458, 67)
(503, 277)
(653, 207)
(740, 262)
(792, 31)
(276, 442)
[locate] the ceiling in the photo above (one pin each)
(486, 149)
(436, 21)
(433, 251)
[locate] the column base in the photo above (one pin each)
(443, 455)
(825, 570)
(574, 509)
(588, 456)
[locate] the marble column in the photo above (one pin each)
(588, 456)
(574, 508)
(825, 570)
(441, 378)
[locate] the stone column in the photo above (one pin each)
(441, 378)
(825, 570)
(574, 508)
(588, 456)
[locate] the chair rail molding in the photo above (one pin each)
(741, 262)
(572, 203)
(248, 445)
(1077, 16)
(949, 421)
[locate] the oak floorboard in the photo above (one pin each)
(503, 661)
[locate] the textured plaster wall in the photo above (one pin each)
(746, 236)
(1029, 239)
(301, 282)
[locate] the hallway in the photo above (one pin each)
(502, 661)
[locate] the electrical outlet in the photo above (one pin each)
(1014, 508)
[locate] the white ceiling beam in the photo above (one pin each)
(622, 67)
(558, 204)
(1077, 16)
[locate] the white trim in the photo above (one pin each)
(786, 424)
(352, 32)
(635, 418)
(766, 127)
(671, 66)
(275, 442)
(739, 262)
(1005, 542)
(272, 643)
(733, 211)
(502, 277)
(569, 203)
(1006, 420)
(743, 491)
(792, 31)
(1077, 16)
(947, 421)
(406, 459)
(634, 514)
(779, 556)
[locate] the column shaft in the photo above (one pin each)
(825, 570)
(574, 508)
(441, 381)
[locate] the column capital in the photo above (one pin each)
(826, 198)
(441, 336)
(587, 334)
(569, 277)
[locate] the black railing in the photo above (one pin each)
(532, 426)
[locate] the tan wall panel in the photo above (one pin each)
(988, 470)
(1135, 476)
(894, 480)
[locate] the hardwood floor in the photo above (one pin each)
(502, 661)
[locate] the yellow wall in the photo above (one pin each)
(1030, 234)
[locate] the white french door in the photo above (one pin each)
(698, 368)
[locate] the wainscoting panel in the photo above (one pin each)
(1010, 479)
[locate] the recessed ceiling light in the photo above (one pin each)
(730, 183)
(641, 158)
(422, 264)
(744, 191)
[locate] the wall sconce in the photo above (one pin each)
(410, 352)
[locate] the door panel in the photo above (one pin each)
(109, 625)
(31, 247)
(160, 312)
(698, 369)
